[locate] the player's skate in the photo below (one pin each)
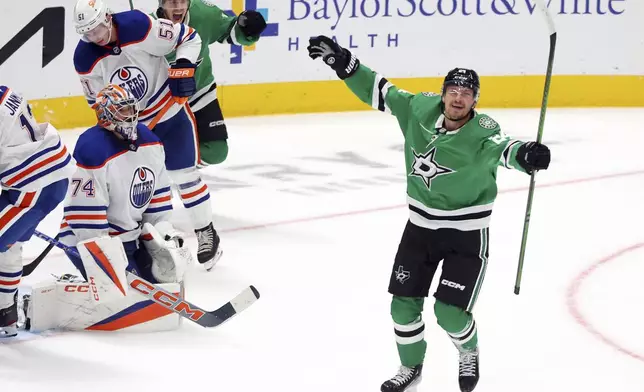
(9, 320)
(468, 369)
(208, 251)
(406, 380)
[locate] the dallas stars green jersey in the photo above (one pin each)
(212, 25)
(451, 175)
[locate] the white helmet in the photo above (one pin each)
(88, 14)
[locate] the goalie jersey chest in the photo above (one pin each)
(112, 176)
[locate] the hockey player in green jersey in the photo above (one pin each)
(213, 25)
(451, 153)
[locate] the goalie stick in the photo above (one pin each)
(178, 305)
(542, 117)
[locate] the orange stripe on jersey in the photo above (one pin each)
(157, 106)
(13, 211)
(85, 217)
(37, 166)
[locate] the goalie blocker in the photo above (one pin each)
(105, 301)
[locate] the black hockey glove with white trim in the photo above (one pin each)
(533, 156)
(251, 23)
(338, 58)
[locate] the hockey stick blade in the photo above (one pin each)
(192, 312)
(156, 294)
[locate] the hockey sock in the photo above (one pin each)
(409, 329)
(195, 196)
(459, 325)
(10, 274)
(213, 152)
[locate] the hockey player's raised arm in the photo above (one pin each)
(85, 210)
(499, 148)
(243, 30)
(372, 88)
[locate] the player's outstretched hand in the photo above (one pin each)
(251, 23)
(333, 55)
(533, 156)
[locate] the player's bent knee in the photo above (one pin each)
(405, 310)
(214, 152)
(451, 318)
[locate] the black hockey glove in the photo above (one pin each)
(182, 78)
(251, 23)
(338, 58)
(533, 156)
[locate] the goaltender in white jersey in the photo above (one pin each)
(128, 49)
(116, 216)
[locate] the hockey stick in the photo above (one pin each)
(164, 110)
(542, 117)
(178, 305)
(29, 268)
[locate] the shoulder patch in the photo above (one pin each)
(430, 94)
(487, 123)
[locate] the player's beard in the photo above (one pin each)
(457, 119)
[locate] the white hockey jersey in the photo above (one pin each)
(32, 155)
(115, 190)
(137, 60)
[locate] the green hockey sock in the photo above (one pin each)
(409, 328)
(213, 152)
(459, 325)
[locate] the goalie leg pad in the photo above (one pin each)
(64, 305)
(105, 263)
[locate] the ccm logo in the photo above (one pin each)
(92, 284)
(75, 288)
(166, 299)
(452, 284)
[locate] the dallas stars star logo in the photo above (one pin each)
(426, 167)
(401, 274)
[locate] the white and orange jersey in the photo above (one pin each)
(137, 60)
(115, 189)
(32, 155)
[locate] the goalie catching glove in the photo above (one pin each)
(170, 259)
(338, 58)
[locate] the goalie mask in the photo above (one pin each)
(118, 111)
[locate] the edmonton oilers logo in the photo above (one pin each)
(142, 187)
(132, 79)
